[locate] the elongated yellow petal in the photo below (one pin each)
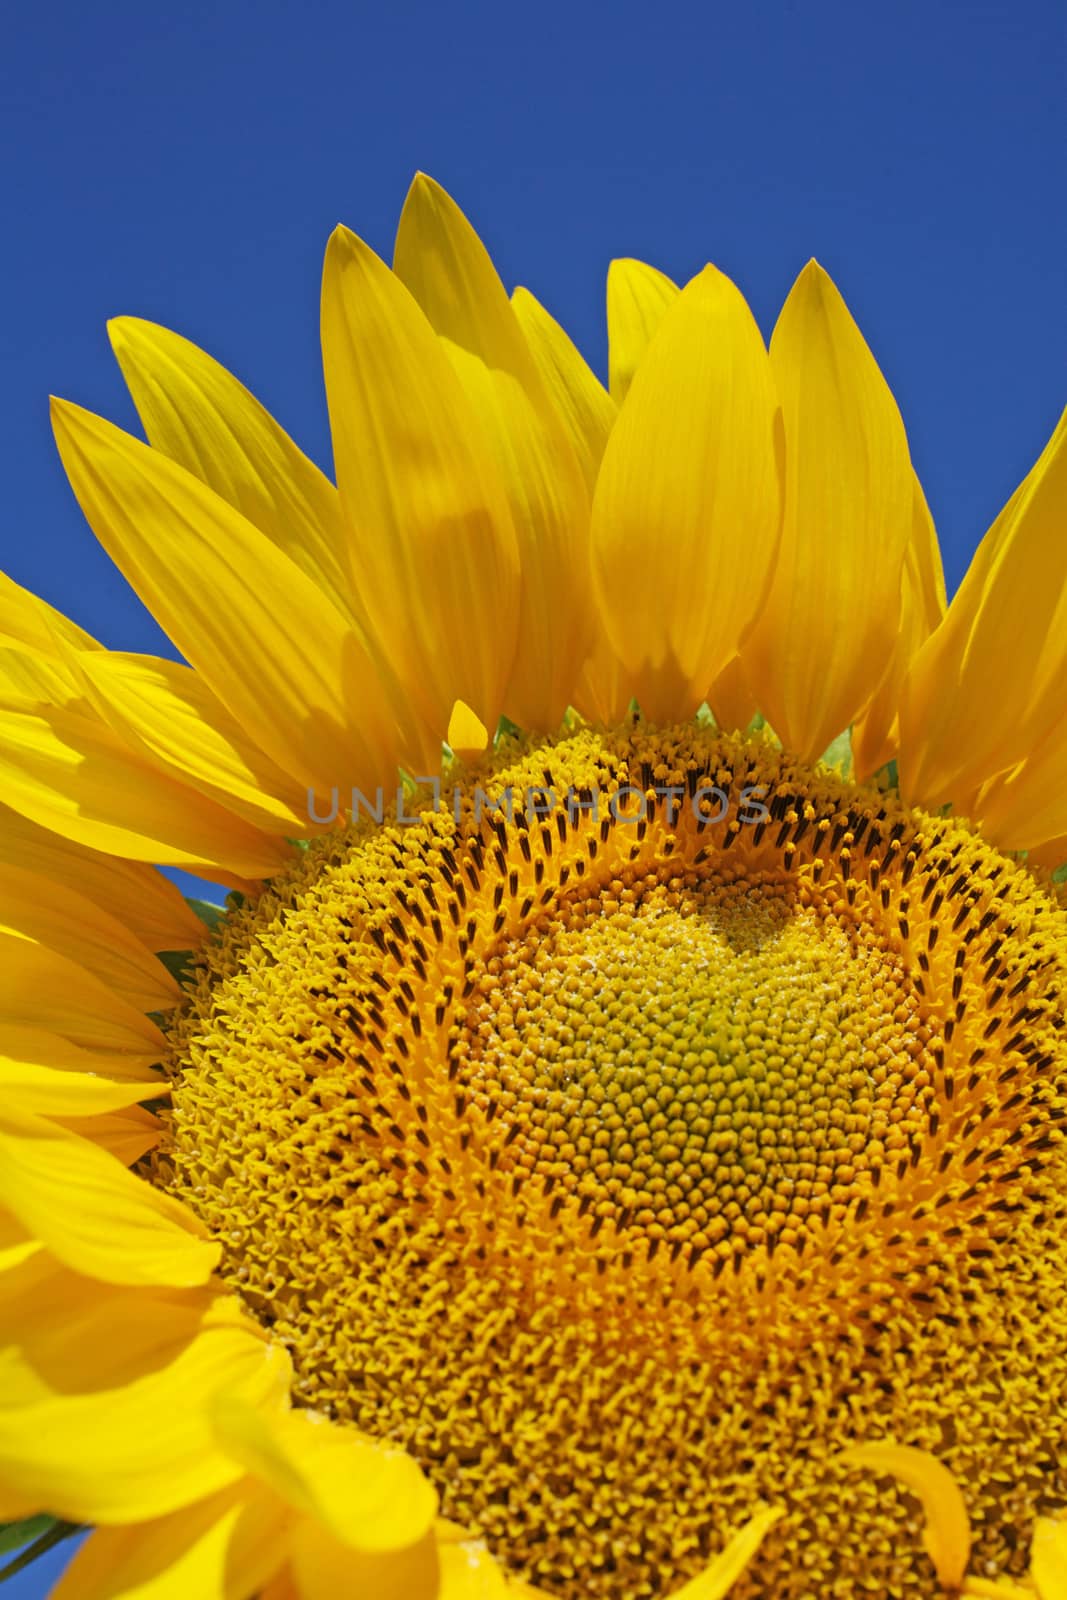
(369, 1496)
(146, 902)
(66, 770)
(947, 1535)
(1026, 808)
(584, 405)
(36, 676)
(224, 1548)
(876, 734)
(16, 1246)
(324, 1567)
(66, 921)
(447, 268)
(602, 693)
(167, 713)
(27, 620)
(1048, 1558)
(687, 508)
(469, 1572)
(731, 699)
(143, 1446)
(281, 1587)
(729, 1564)
(831, 618)
(124, 1135)
(638, 296)
(994, 1589)
(274, 649)
(40, 985)
(48, 1049)
(94, 1215)
(31, 1083)
(430, 538)
(987, 687)
(199, 415)
(62, 1332)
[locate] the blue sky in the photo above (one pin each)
(186, 163)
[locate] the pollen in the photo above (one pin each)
(635, 1132)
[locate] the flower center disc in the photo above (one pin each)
(694, 1058)
(625, 1163)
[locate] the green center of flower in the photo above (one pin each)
(703, 1059)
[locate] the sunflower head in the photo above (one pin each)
(610, 1144)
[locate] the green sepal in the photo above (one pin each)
(208, 913)
(179, 963)
(838, 754)
(32, 1538)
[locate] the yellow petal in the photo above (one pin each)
(445, 265)
(40, 987)
(583, 404)
(987, 686)
(92, 1214)
(146, 902)
(369, 1496)
(638, 296)
(199, 415)
(602, 693)
(224, 1548)
(947, 1535)
(430, 538)
(1051, 855)
(468, 1571)
(16, 1245)
(687, 507)
(33, 1078)
(994, 1589)
(467, 734)
(167, 713)
(729, 1564)
(281, 1587)
(325, 1567)
(923, 562)
(876, 734)
(731, 699)
(1048, 1558)
(124, 1135)
(27, 620)
(64, 1333)
(36, 1045)
(274, 649)
(1026, 808)
(66, 921)
(67, 770)
(831, 618)
(106, 1392)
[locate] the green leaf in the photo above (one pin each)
(211, 914)
(32, 1538)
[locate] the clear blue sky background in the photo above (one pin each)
(186, 163)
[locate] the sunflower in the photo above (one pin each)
(610, 1143)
